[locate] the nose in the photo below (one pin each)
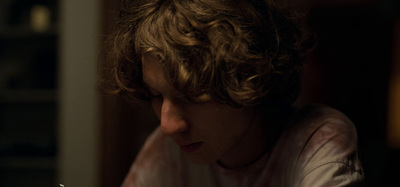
(172, 118)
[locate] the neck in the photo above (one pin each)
(252, 146)
(262, 134)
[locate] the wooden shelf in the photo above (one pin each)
(28, 92)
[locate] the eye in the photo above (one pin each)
(154, 93)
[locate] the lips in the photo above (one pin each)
(191, 148)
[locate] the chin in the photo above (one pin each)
(200, 159)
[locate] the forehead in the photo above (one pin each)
(153, 71)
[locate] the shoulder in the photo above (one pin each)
(315, 124)
(319, 148)
(154, 149)
(320, 127)
(327, 147)
(316, 116)
(153, 162)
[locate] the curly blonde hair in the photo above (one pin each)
(239, 52)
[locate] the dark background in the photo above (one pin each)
(350, 70)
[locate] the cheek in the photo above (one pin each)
(237, 120)
(157, 105)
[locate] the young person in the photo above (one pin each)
(222, 76)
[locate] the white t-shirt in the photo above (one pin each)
(318, 149)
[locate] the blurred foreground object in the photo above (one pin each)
(394, 92)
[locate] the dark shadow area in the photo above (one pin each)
(349, 70)
(28, 92)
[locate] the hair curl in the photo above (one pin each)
(240, 52)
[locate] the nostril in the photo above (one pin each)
(172, 118)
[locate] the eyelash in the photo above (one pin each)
(154, 94)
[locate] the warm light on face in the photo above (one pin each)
(205, 130)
